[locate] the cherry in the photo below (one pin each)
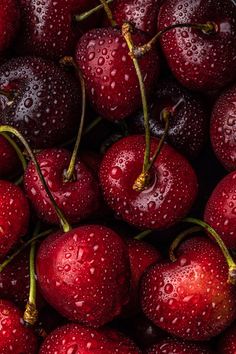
(14, 216)
(199, 60)
(220, 211)
(223, 128)
(77, 198)
(187, 122)
(227, 343)
(191, 297)
(14, 336)
(109, 73)
(84, 274)
(169, 195)
(171, 345)
(9, 162)
(9, 23)
(39, 99)
(74, 338)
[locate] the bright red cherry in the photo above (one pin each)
(9, 162)
(9, 23)
(171, 345)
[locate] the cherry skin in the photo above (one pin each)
(9, 23)
(168, 197)
(171, 345)
(199, 60)
(223, 128)
(109, 73)
(14, 216)
(45, 101)
(14, 336)
(191, 297)
(188, 121)
(220, 211)
(227, 343)
(77, 198)
(84, 274)
(9, 162)
(74, 338)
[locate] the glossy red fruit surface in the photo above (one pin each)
(75, 339)
(9, 162)
(168, 197)
(227, 343)
(223, 128)
(171, 345)
(220, 211)
(14, 215)
(84, 274)
(77, 198)
(45, 102)
(199, 60)
(111, 81)
(191, 297)
(14, 336)
(9, 22)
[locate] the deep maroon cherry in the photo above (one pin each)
(191, 298)
(84, 274)
(41, 101)
(14, 215)
(9, 162)
(171, 345)
(77, 198)
(188, 120)
(220, 211)
(227, 343)
(203, 61)
(14, 336)
(110, 77)
(167, 198)
(9, 23)
(74, 338)
(223, 128)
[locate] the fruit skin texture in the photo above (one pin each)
(9, 162)
(220, 211)
(223, 129)
(171, 345)
(9, 23)
(47, 102)
(227, 343)
(14, 336)
(74, 338)
(84, 274)
(109, 73)
(190, 298)
(78, 198)
(171, 192)
(200, 61)
(14, 216)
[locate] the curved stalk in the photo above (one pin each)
(17, 150)
(108, 12)
(143, 234)
(86, 14)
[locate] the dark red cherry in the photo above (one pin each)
(44, 102)
(9, 162)
(14, 336)
(84, 274)
(111, 80)
(202, 61)
(74, 338)
(223, 128)
(227, 343)
(220, 211)
(167, 198)
(9, 23)
(191, 298)
(14, 215)
(171, 345)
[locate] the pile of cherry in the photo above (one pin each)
(127, 244)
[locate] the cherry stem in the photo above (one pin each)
(93, 124)
(217, 238)
(179, 239)
(143, 234)
(86, 14)
(17, 150)
(207, 28)
(8, 94)
(108, 12)
(8, 129)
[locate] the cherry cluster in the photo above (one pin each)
(117, 176)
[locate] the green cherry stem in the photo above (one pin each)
(17, 150)
(8, 129)
(142, 235)
(108, 12)
(92, 125)
(86, 14)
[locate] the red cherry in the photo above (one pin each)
(9, 23)
(74, 338)
(14, 216)
(14, 336)
(171, 345)
(168, 197)
(223, 128)
(9, 162)
(220, 211)
(77, 199)
(227, 344)
(199, 60)
(191, 297)
(84, 274)
(111, 80)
